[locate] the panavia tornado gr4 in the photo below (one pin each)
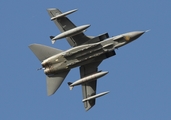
(86, 53)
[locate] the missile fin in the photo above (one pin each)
(51, 37)
(52, 40)
(70, 86)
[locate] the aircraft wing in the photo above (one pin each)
(89, 89)
(64, 24)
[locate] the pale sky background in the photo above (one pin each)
(139, 78)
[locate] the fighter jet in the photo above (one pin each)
(86, 53)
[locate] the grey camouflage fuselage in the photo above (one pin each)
(87, 53)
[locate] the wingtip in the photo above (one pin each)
(88, 108)
(49, 9)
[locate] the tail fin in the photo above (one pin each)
(70, 86)
(43, 52)
(54, 82)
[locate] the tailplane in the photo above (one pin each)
(54, 82)
(43, 52)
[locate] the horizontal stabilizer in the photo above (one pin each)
(54, 82)
(43, 52)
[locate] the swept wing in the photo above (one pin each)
(89, 89)
(64, 24)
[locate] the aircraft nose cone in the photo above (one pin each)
(136, 34)
(131, 36)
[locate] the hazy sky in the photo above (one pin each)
(139, 77)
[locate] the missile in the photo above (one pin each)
(95, 96)
(89, 78)
(69, 33)
(63, 14)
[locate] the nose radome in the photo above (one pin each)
(136, 34)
